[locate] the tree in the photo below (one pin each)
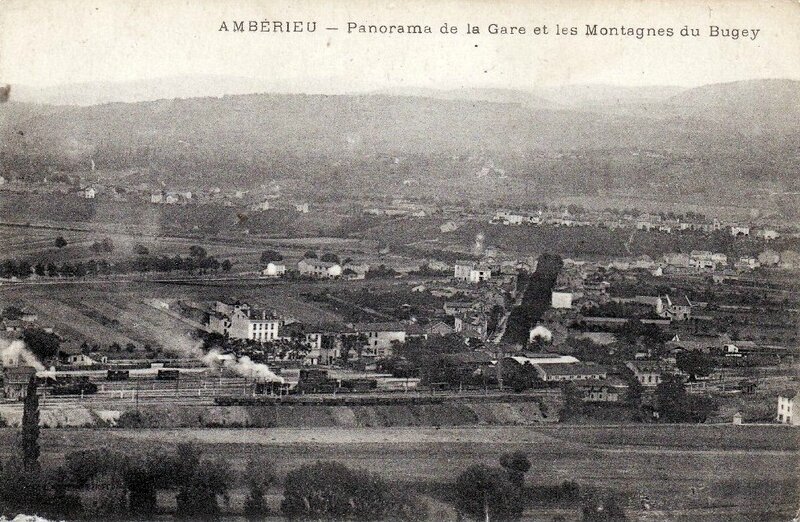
(516, 465)
(486, 493)
(310, 255)
(671, 399)
(43, 345)
(329, 257)
(270, 256)
(60, 242)
(29, 437)
(260, 476)
(197, 252)
(141, 250)
(226, 265)
(695, 363)
(573, 402)
(332, 491)
(199, 486)
(39, 269)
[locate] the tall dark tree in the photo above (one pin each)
(60, 242)
(485, 493)
(29, 437)
(516, 465)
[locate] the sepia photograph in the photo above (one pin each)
(368, 260)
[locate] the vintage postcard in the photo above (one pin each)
(383, 260)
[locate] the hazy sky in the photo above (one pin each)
(46, 42)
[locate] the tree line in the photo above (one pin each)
(107, 484)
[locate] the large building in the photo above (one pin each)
(319, 269)
(380, 337)
(240, 321)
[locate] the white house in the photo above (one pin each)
(787, 406)
(462, 269)
(740, 231)
(678, 310)
(243, 322)
(319, 269)
(274, 270)
(767, 234)
(561, 300)
(479, 274)
(380, 337)
(89, 192)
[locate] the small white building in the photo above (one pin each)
(462, 269)
(479, 274)
(89, 192)
(787, 407)
(768, 234)
(561, 300)
(738, 231)
(274, 270)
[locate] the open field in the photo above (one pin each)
(697, 472)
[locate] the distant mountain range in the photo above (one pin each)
(589, 137)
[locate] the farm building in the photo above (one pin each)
(787, 406)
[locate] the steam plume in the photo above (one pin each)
(541, 332)
(14, 353)
(243, 366)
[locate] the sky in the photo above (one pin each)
(46, 43)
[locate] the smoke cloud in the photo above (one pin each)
(243, 366)
(479, 244)
(541, 332)
(14, 353)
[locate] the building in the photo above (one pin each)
(768, 234)
(15, 381)
(648, 373)
(738, 231)
(380, 337)
(787, 407)
(561, 300)
(457, 307)
(274, 270)
(319, 269)
(462, 270)
(678, 310)
(89, 192)
(611, 389)
(239, 321)
(480, 274)
(570, 371)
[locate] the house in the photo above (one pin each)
(561, 300)
(611, 389)
(239, 321)
(767, 234)
(319, 269)
(74, 357)
(479, 274)
(354, 271)
(157, 197)
(457, 307)
(787, 407)
(678, 310)
(274, 270)
(746, 263)
(261, 206)
(89, 192)
(472, 325)
(739, 231)
(737, 418)
(648, 373)
(448, 226)
(570, 371)
(301, 208)
(15, 381)
(380, 337)
(439, 328)
(462, 269)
